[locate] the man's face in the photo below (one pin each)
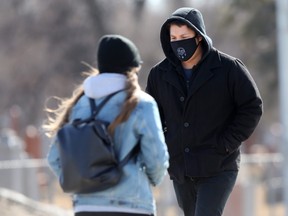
(180, 32)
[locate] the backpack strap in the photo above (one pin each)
(96, 109)
(129, 156)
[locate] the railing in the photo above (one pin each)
(258, 191)
(259, 187)
(247, 159)
(23, 163)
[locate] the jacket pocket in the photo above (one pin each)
(203, 162)
(175, 169)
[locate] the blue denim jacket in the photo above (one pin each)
(134, 190)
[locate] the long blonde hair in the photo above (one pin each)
(60, 115)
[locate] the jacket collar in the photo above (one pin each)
(205, 71)
(171, 74)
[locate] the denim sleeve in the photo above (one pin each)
(54, 159)
(153, 146)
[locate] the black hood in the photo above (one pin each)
(193, 18)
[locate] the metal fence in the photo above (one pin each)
(259, 187)
(258, 191)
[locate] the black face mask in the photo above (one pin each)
(184, 49)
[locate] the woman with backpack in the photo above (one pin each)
(134, 119)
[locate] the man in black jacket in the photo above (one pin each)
(209, 104)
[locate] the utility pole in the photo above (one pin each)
(282, 40)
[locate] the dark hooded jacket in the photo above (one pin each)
(206, 118)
